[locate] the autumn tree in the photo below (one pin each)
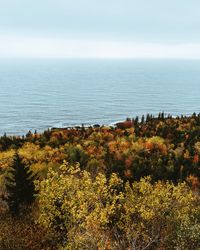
(97, 213)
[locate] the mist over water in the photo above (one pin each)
(38, 94)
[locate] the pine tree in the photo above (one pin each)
(19, 185)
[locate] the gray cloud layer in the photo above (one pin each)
(138, 20)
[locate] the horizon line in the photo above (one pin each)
(37, 47)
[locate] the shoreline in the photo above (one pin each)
(126, 123)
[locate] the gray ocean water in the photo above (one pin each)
(38, 94)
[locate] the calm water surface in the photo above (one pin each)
(37, 94)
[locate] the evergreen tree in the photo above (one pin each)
(19, 185)
(142, 119)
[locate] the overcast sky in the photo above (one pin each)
(100, 28)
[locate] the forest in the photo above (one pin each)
(131, 186)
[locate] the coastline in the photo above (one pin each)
(126, 123)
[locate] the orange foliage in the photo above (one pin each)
(194, 181)
(196, 159)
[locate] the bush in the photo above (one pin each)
(23, 234)
(88, 213)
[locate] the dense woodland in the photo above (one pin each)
(132, 186)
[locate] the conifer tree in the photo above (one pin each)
(19, 185)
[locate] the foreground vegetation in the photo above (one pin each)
(133, 186)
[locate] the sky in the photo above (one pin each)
(100, 28)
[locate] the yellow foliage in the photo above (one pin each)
(90, 213)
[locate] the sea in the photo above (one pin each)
(37, 94)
